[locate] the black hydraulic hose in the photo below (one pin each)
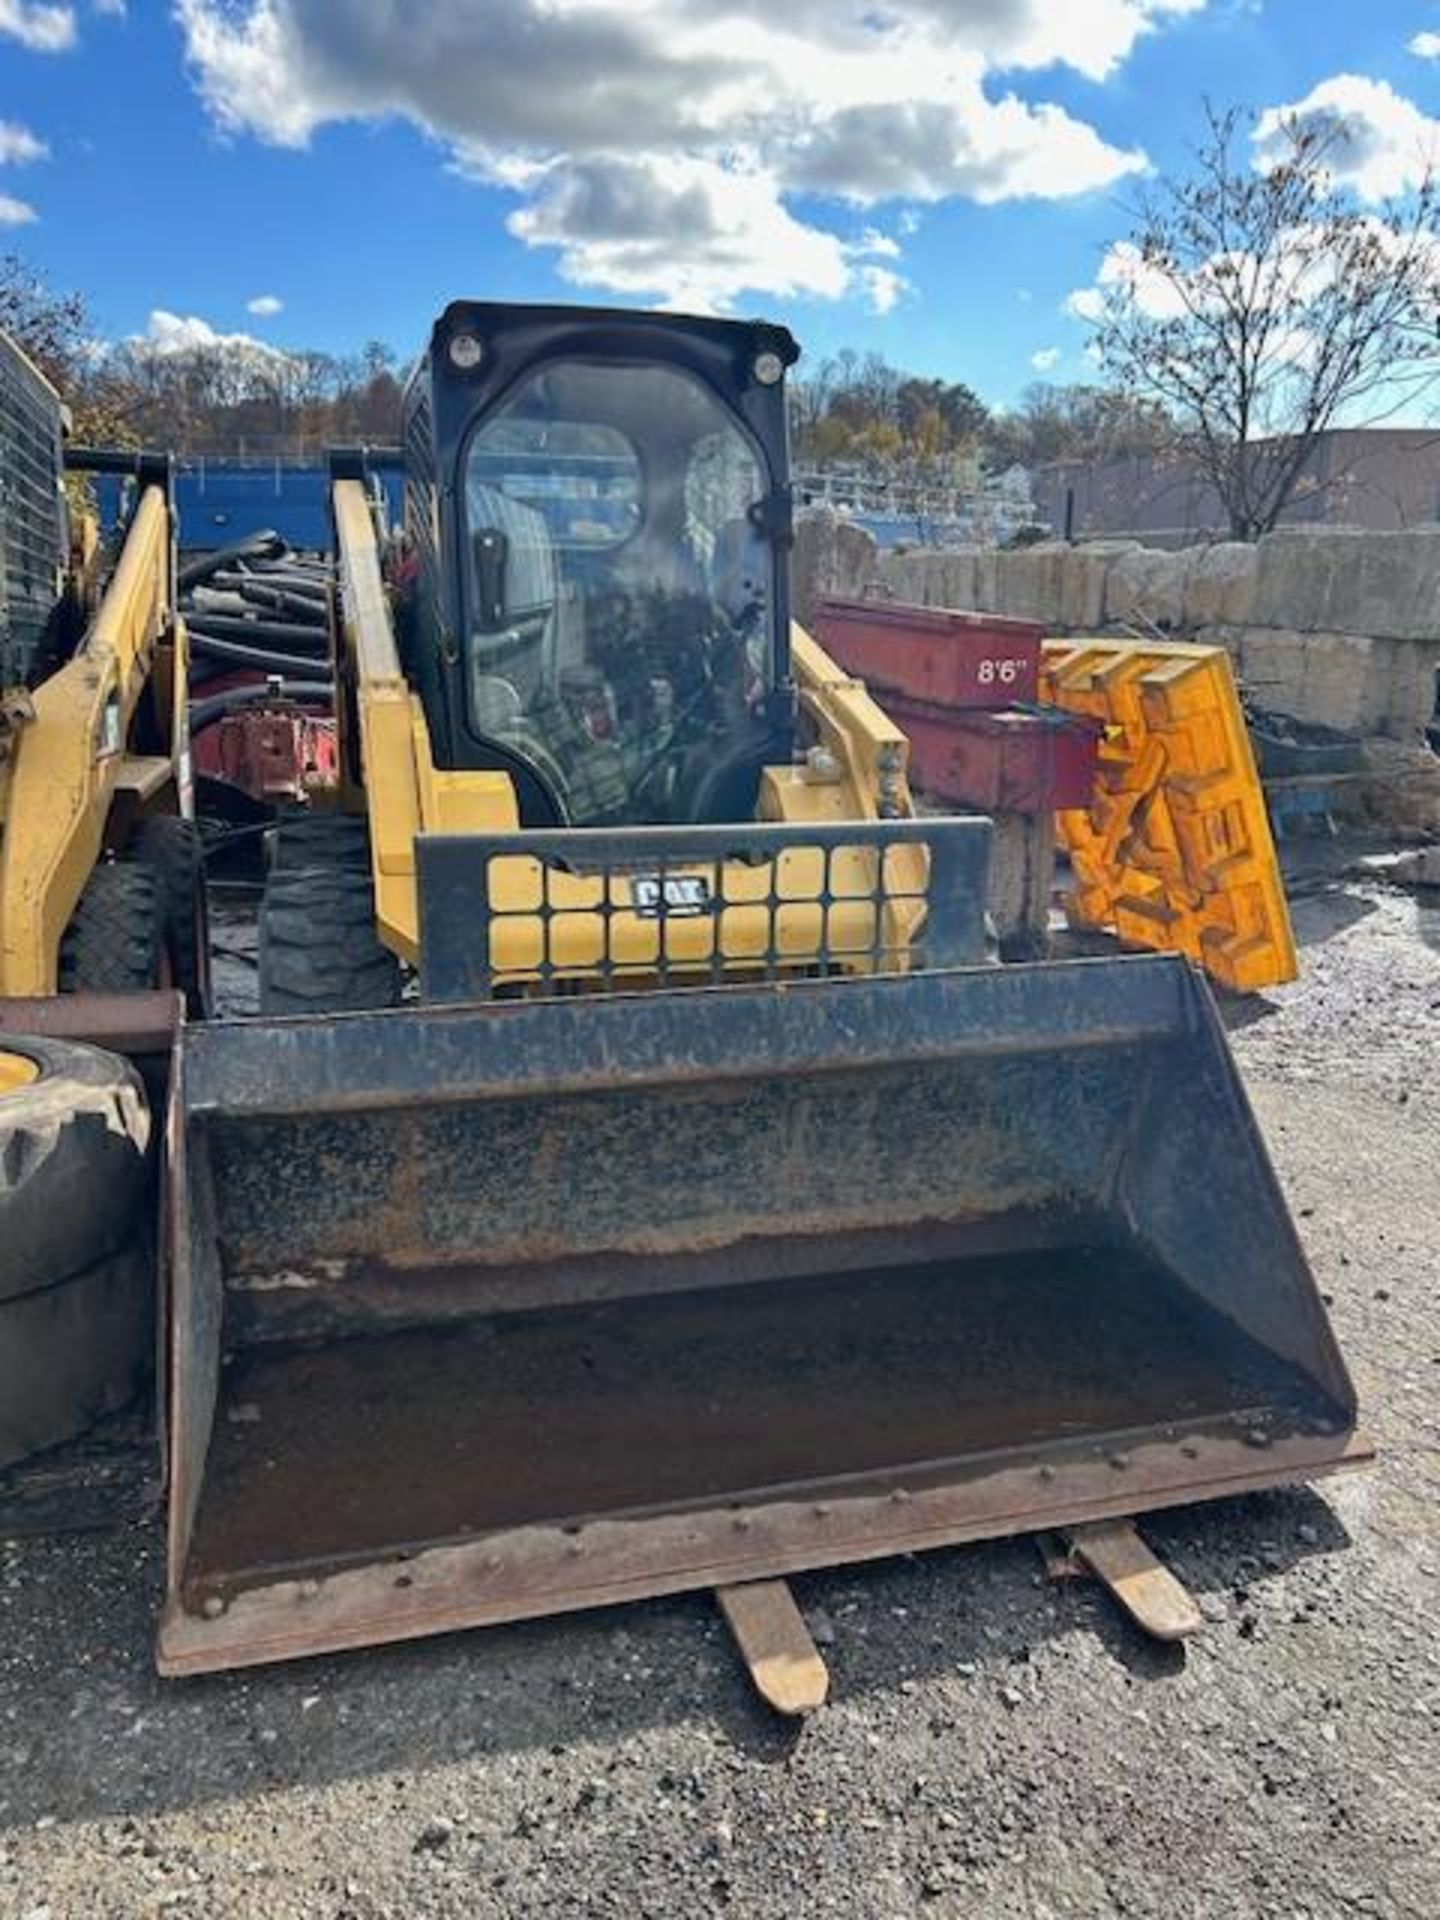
(309, 598)
(293, 564)
(202, 602)
(314, 593)
(204, 713)
(284, 600)
(297, 664)
(239, 601)
(276, 633)
(266, 545)
(306, 576)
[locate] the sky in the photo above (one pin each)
(938, 180)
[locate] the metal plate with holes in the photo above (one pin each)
(544, 911)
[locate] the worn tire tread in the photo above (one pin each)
(174, 850)
(319, 950)
(73, 1162)
(75, 1351)
(115, 942)
(307, 839)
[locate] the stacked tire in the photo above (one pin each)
(76, 1254)
(77, 1228)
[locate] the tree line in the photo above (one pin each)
(197, 396)
(858, 410)
(221, 396)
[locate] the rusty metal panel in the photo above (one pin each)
(537, 1571)
(449, 1055)
(143, 1026)
(130, 1023)
(32, 520)
(1031, 760)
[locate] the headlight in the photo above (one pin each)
(769, 369)
(467, 350)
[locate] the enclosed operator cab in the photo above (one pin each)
(597, 507)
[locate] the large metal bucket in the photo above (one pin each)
(483, 1313)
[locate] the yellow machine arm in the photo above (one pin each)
(68, 762)
(406, 794)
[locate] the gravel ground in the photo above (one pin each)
(998, 1745)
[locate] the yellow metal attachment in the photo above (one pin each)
(1174, 851)
(16, 1071)
(67, 763)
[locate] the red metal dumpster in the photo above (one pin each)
(944, 658)
(1028, 760)
(963, 687)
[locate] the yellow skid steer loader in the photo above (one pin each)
(639, 1177)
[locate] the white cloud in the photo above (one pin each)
(19, 146)
(41, 27)
(265, 306)
(1092, 36)
(1046, 360)
(878, 245)
(1426, 46)
(16, 213)
(1377, 141)
(1124, 273)
(169, 334)
(690, 232)
(657, 144)
(45, 26)
(966, 144)
(1085, 303)
(882, 288)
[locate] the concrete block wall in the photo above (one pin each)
(1333, 626)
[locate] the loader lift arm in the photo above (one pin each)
(71, 761)
(384, 740)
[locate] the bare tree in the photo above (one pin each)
(51, 327)
(1261, 306)
(1078, 422)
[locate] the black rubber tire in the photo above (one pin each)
(174, 850)
(319, 951)
(71, 1353)
(116, 940)
(73, 1162)
(307, 839)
